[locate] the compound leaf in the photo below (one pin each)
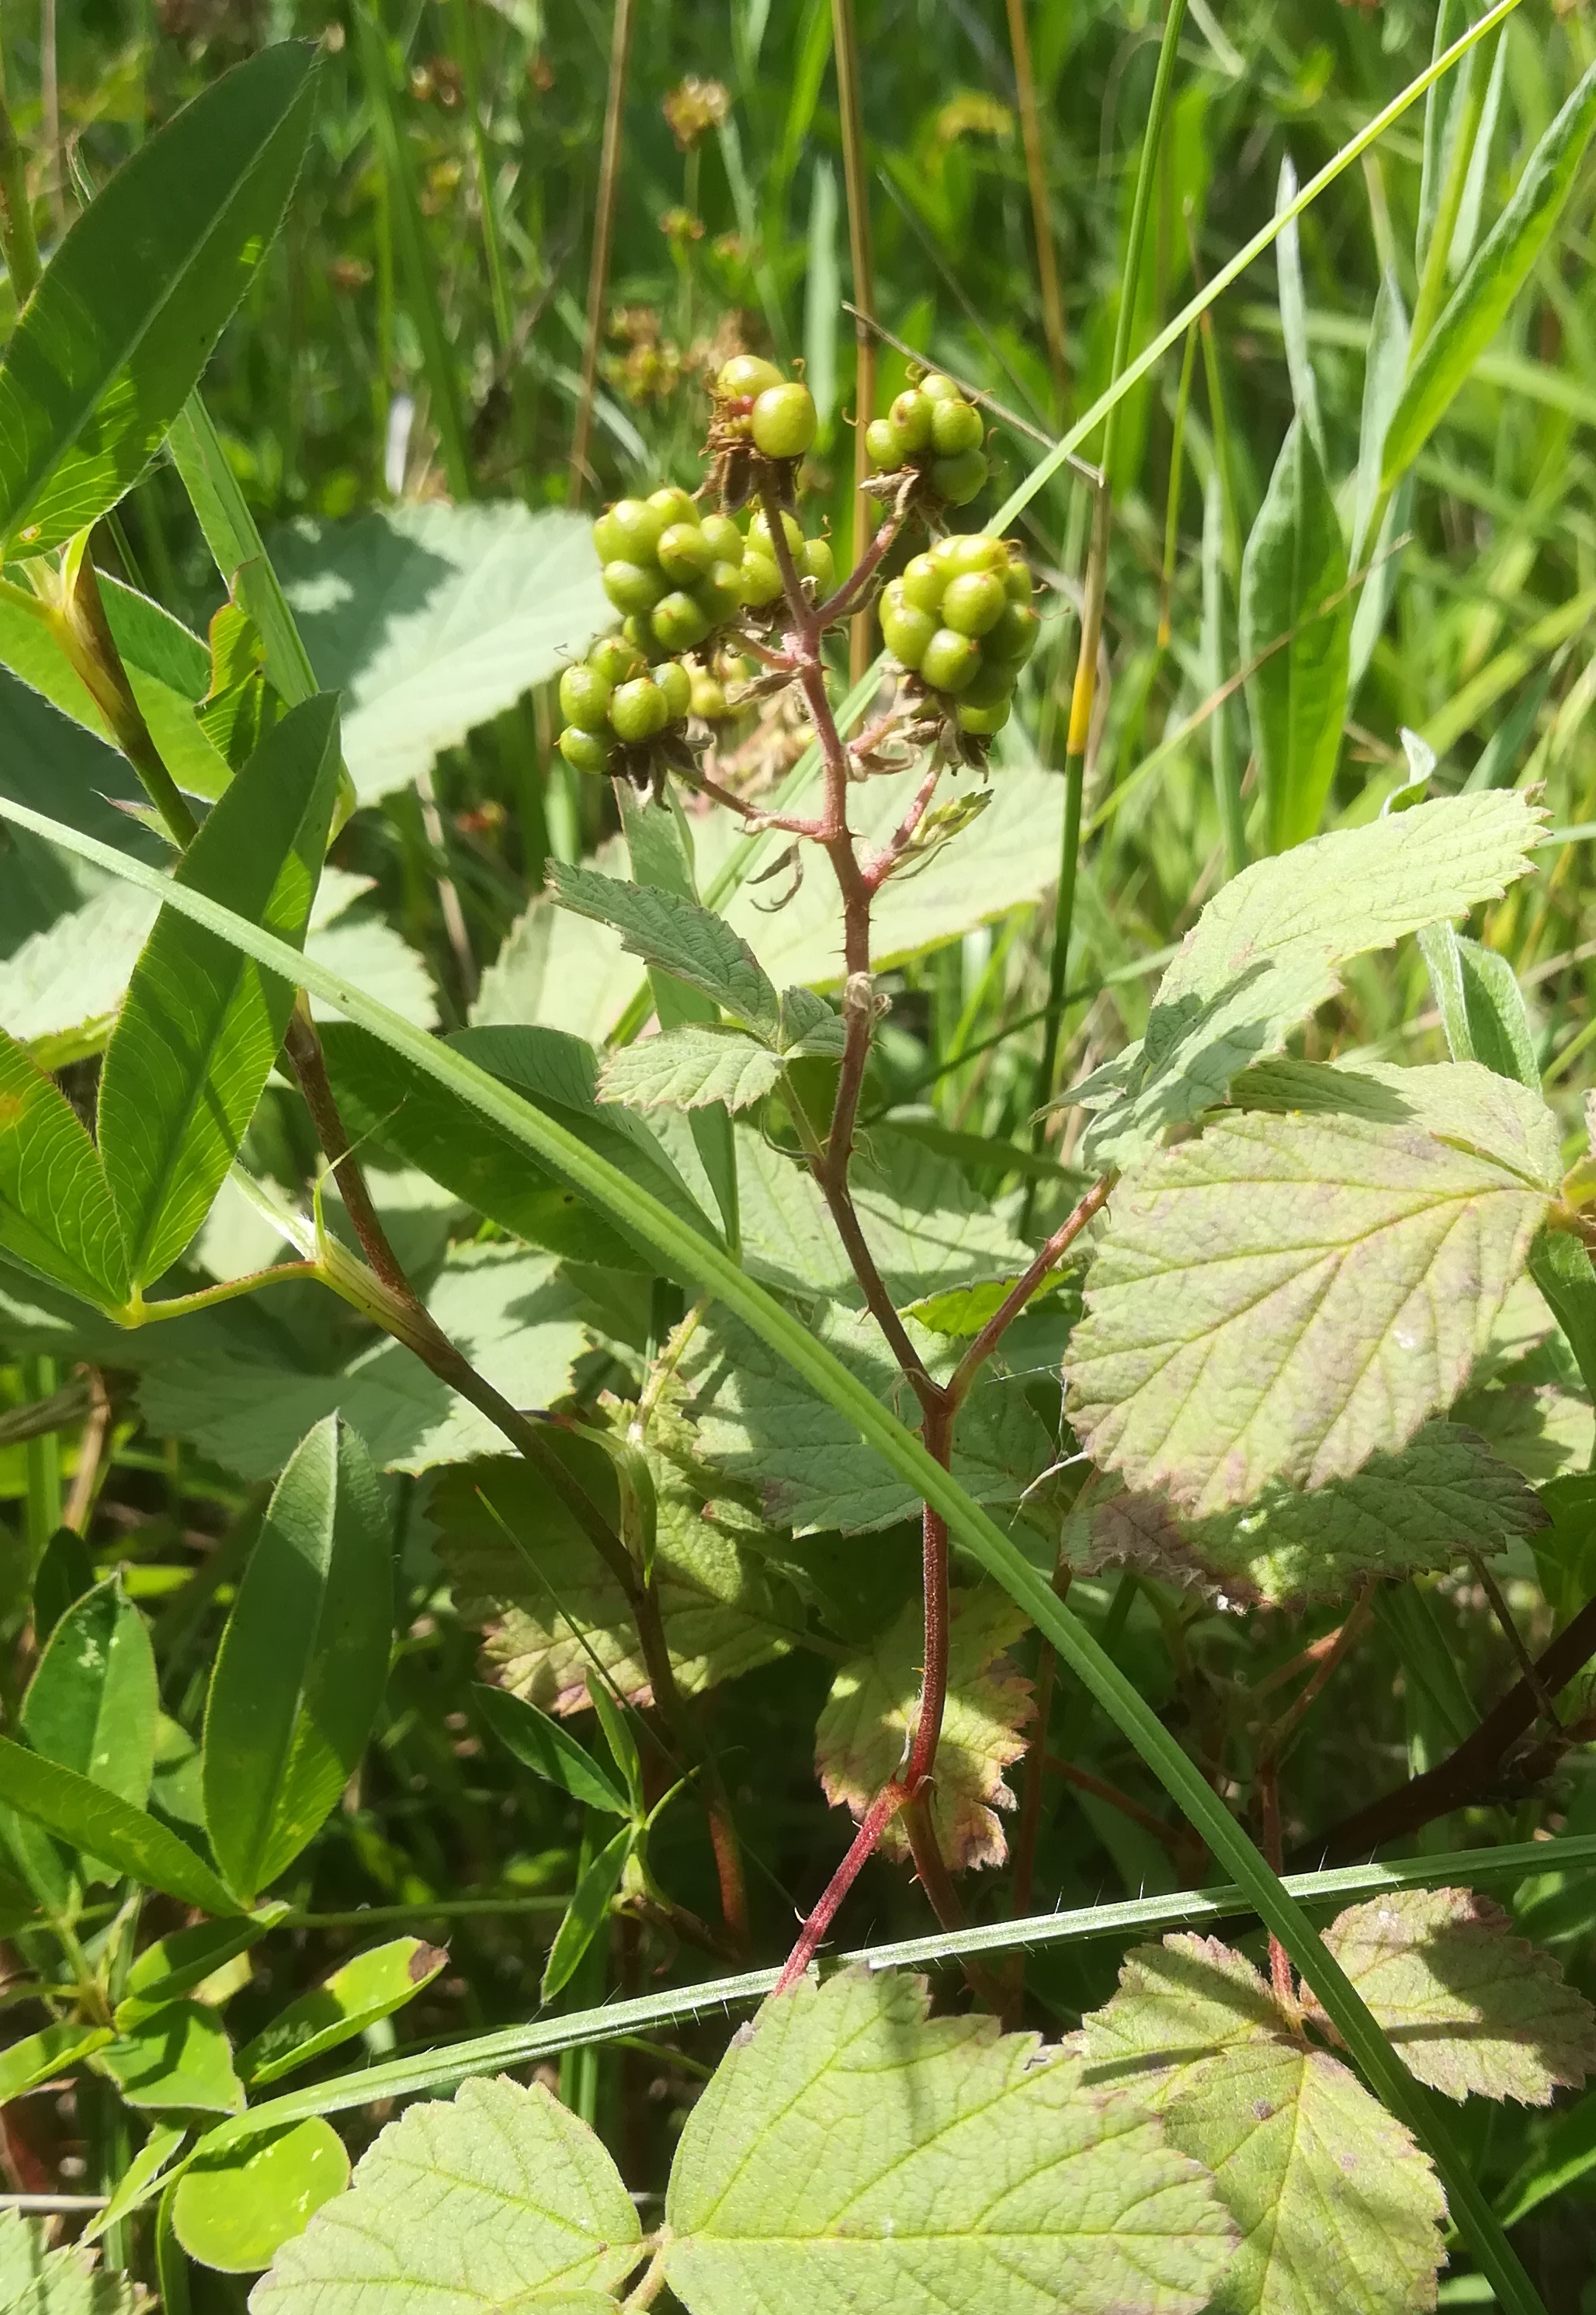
(1446, 1493)
(850, 2152)
(1287, 1297)
(35, 2280)
(1468, 2007)
(1265, 951)
(1294, 564)
(114, 339)
(1337, 2207)
(57, 1213)
(201, 1023)
(684, 1067)
(680, 937)
(860, 1738)
(303, 1660)
(497, 2198)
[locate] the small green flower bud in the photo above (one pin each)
(758, 582)
(911, 421)
(677, 685)
(950, 661)
(958, 480)
(881, 443)
(974, 601)
(680, 622)
(745, 376)
(725, 540)
(1012, 638)
(634, 586)
(923, 582)
(584, 751)
(784, 422)
(615, 659)
(684, 553)
(637, 711)
(584, 698)
(956, 427)
(633, 527)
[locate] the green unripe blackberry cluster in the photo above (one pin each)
(672, 572)
(933, 427)
(617, 707)
(761, 573)
(961, 620)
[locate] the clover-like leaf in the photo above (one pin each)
(850, 2153)
(1468, 2007)
(1446, 1493)
(685, 1067)
(1337, 2207)
(499, 2197)
(35, 2280)
(860, 1738)
(1288, 1296)
(1266, 950)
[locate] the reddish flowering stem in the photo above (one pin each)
(877, 1818)
(1014, 1301)
(877, 870)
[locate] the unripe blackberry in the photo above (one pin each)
(911, 417)
(881, 442)
(634, 586)
(680, 621)
(760, 582)
(615, 659)
(934, 430)
(684, 553)
(958, 620)
(923, 582)
(585, 751)
(677, 685)
(746, 375)
(816, 563)
(784, 422)
(906, 630)
(675, 505)
(958, 480)
(956, 427)
(1012, 638)
(708, 699)
(982, 722)
(725, 540)
(950, 661)
(638, 711)
(974, 603)
(629, 531)
(584, 697)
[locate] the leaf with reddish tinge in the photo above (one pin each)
(1470, 2008)
(860, 1741)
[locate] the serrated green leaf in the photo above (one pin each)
(1337, 2206)
(1496, 272)
(1445, 1493)
(687, 1066)
(1287, 1297)
(1295, 563)
(114, 339)
(432, 619)
(302, 1662)
(519, 1565)
(809, 1024)
(542, 1745)
(370, 1987)
(1470, 2008)
(499, 2197)
(852, 2152)
(179, 2058)
(247, 1398)
(865, 1726)
(677, 936)
(102, 1824)
(57, 1214)
(1459, 1103)
(236, 2213)
(35, 2280)
(1264, 953)
(91, 1704)
(37, 2057)
(201, 1024)
(762, 1426)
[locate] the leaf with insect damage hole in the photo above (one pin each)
(684, 1067)
(519, 1565)
(864, 1730)
(1287, 1297)
(1337, 2207)
(853, 2153)
(1445, 1493)
(35, 2280)
(499, 2197)
(1468, 2007)
(1266, 952)
(680, 937)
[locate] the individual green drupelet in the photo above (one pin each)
(674, 573)
(932, 426)
(616, 704)
(761, 573)
(961, 620)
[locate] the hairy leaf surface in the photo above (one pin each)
(680, 937)
(686, 1067)
(35, 2280)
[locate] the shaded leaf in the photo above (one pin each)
(179, 2058)
(851, 2152)
(175, 1964)
(1295, 563)
(549, 1751)
(1337, 2206)
(114, 339)
(102, 1825)
(432, 619)
(1265, 951)
(587, 1912)
(1470, 2008)
(678, 936)
(303, 1660)
(57, 1215)
(237, 2213)
(497, 2198)
(91, 1704)
(1285, 1298)
(685, 1067)
(38, 2057)
(863, 1729)
(1458, 1102)
(372, 1985)
(1445, 1493)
